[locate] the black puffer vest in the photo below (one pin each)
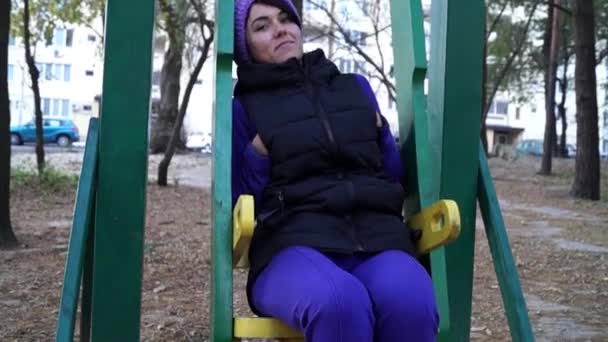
(328, 189)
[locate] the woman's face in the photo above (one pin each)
(271, 36)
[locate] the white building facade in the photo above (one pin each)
(71, 69)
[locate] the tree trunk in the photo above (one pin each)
(163, 167)
(34, 75)
(169, 94)
(550, 80)
(561, 107)
(7, 237)
(587, 168)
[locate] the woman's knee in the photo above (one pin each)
(400, 287)
(343, 301)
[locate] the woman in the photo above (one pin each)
(331, 256)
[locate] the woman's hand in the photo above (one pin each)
(258, 145)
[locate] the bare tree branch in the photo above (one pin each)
(514, 54)
(343, 36)
(496, 21)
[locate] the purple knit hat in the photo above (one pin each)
(241, 14)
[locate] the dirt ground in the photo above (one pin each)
(560, 246)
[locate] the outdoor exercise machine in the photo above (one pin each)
(439, 135)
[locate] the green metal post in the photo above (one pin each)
(454, 103)
(506, 271)
(422, 153)
(79, 238)
(123, 158)
(87, 284)
(221, 290)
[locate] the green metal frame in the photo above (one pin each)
(440, 141)
(82, 224)
(123, 165)
(454, 105)
(415, 130)
(221, 283)
(506, 271)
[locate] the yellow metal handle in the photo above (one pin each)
(243, 223)
(440, 225)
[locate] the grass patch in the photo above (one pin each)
(51, 180)
(565, 174)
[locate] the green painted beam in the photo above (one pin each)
(506, 271)
(79, 236)
(87, 284)
(421, 141)
(221, 287)
(454, 103)
(123, 161)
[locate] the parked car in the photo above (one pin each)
(199, 142)
(571, 150)
(62, 131)
(531, 147)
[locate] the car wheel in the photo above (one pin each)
(16, 139)
(63, 141)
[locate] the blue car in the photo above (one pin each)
(55, 130)
(531, 147)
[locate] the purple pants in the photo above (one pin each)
(386, 297)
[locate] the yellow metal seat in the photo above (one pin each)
(439, 225)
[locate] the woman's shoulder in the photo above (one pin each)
(365, 86)
(363, 82)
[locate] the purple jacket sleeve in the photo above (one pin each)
(393, 166)
(250, 170)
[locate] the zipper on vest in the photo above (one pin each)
(312, 90)
(281, 199)
(353, 235)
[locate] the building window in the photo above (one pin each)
(55, 107)
(10, 72)
(56, 103)
(67, 70)
(65, 106)
(59, 37)
(62, 38)
(517, 113)
(346, 65)
(87, 108)
(46, 106)
(502, 107)
(360, 68)
(57, 71)
(365, 6)
(69, 38)
(91, 38)
(89, 72)
(357, 37)
(48, 71)
(311, 5)
(499, 108)
(11, 40)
